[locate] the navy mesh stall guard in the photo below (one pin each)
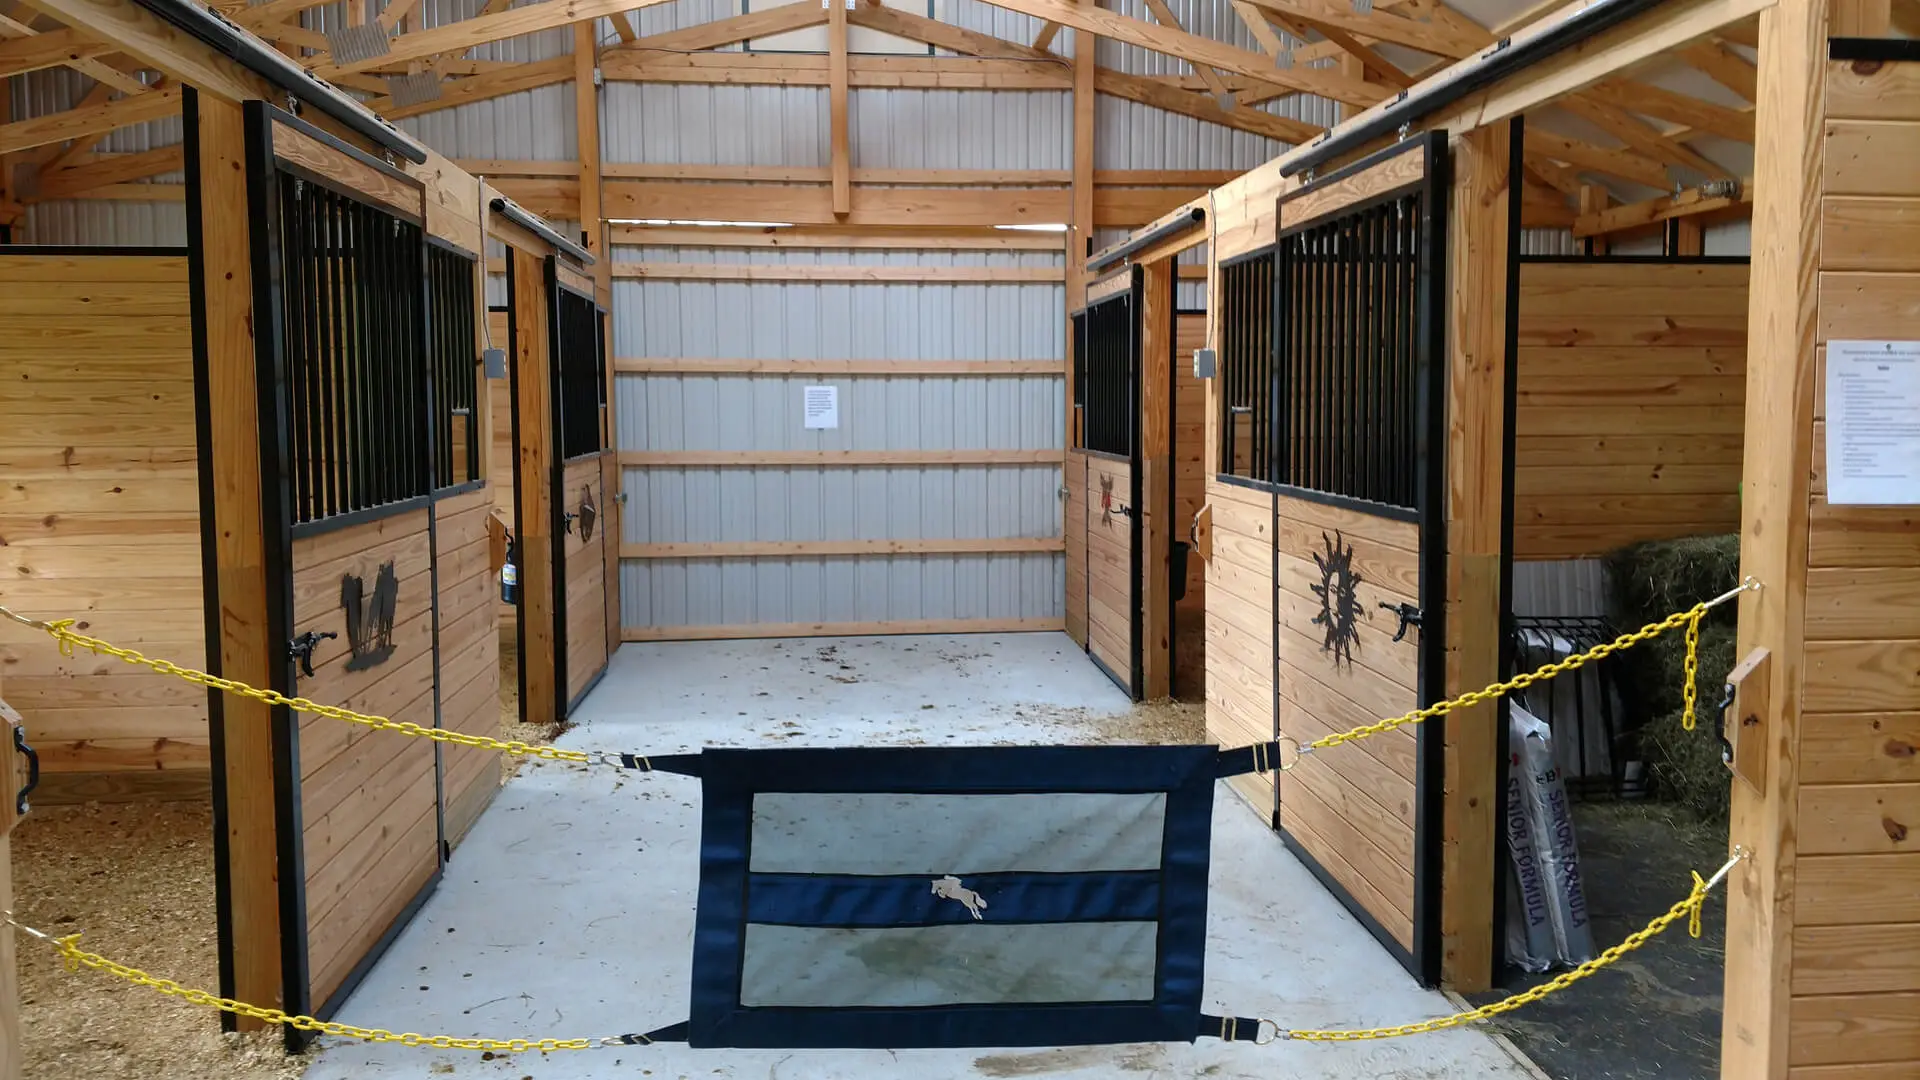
(914, 897)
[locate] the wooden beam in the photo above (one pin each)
(1080, 234)
(457, 37)
(847, 629)
(840, 151)
(93, 120)
(1476, 320)
(1689, 203)
(918, 275)
(586, 124)
(12, 770)
(1189, 47)
(530, 381)
(846, 238)
(627, 200)
(1614, 161)
(816, 549)
(1148, 91)
(98, 70)
(1648, 100)
(130, 193)
(1044, 37)
(55, 48)
(1260, 28)
(1561, 178)
(235, 530)
(623, 27)
(1165, 17)
(786, 459)
(466, 91)
(1434, 36)
(680, 365)
(818, 174)
(1643, 137)
(390, 18)
(1157, 528)
(156, 44)
(719, 33)
(863, 72)
(1594, 200)
(1724, 66)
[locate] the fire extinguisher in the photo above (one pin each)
(510, 574)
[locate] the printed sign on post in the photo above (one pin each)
(821, 405)
(1873, 422)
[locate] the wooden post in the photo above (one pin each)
(586, 118)
(1079, 233)
(1156, 488)
(841, 151)
(238, 634)
(1476, 466)
(1593, 200)
(533, 428)
(1775, 492)
(10, 1055)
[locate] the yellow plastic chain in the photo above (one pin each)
(77, 958)
(1690, 617)
(1689, 907)
(61, 630)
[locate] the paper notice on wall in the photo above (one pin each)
(821, 404)
(1873, 422)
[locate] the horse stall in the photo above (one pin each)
(1126, 571)
(102, 516)
(561, 506)
(345, 534)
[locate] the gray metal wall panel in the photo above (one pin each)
(103, 221)
(664, 318)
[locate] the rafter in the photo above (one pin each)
(1614, 161)
(108, 169)
(1723, 66)
(1559, 177)
(1643, 137)
(465, 34)
(1648, 100)
(810, 69)
(1044, 37)
(1148, 91)
(1195, 49)
(729, 31)
(93, 120)
(528, 76)
(1165, 16)
(98, 70)
(1438, 37)
(54, 48)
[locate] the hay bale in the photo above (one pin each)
(1650, 582)
(1653, 580)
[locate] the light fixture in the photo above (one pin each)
(1050, 226)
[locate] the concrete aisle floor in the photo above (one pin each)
(569, 910)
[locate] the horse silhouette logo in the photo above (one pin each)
(949, 888)
(588, 514)
(369, 620)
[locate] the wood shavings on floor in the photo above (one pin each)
(137, 880)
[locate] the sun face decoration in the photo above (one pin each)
(1340, 609)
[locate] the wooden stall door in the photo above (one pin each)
(1114, 511)
(1358, 536)
(582, 507)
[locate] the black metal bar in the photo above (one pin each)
(537, 225)
(1509, 412)
(1882, 50)
(1503, 58)
(1431, 442)
(1106, 257)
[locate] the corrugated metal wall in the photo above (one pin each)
(124, 222)
(762, 412)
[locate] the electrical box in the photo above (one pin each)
(1203, 360)
(496, 363)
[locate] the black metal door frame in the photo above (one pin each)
(274, 382)
(1430, 446)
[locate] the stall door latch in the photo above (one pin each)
(301, 648)
(1409, 616)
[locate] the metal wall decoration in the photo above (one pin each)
(369, 619)
(588, 514)
(1106, 495)
(1340, 609)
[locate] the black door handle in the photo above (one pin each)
(566, 521)
(301, 648)
(33, 770)
(1409, 616)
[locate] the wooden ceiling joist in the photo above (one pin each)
(1614, 161)
(54, 48)
(460, 36)
(1649, 100)
(108, 170)
(1688, 203)
(863, 72)
(1643, 137)
(1437, 37)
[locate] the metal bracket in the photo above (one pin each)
(1409, 616)
(12, 721)
(301, 648)
(566, 521)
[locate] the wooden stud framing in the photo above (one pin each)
(1156, 465)
(840, 152)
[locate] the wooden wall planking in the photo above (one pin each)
(1240, 629)
(1110, 607)
(1353, 813)
(1853, 932)
(1627, 434)
(1156, 404)
(469, 654)
(100, 519)
(584, 568)
(367, 798)
(533, 483)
